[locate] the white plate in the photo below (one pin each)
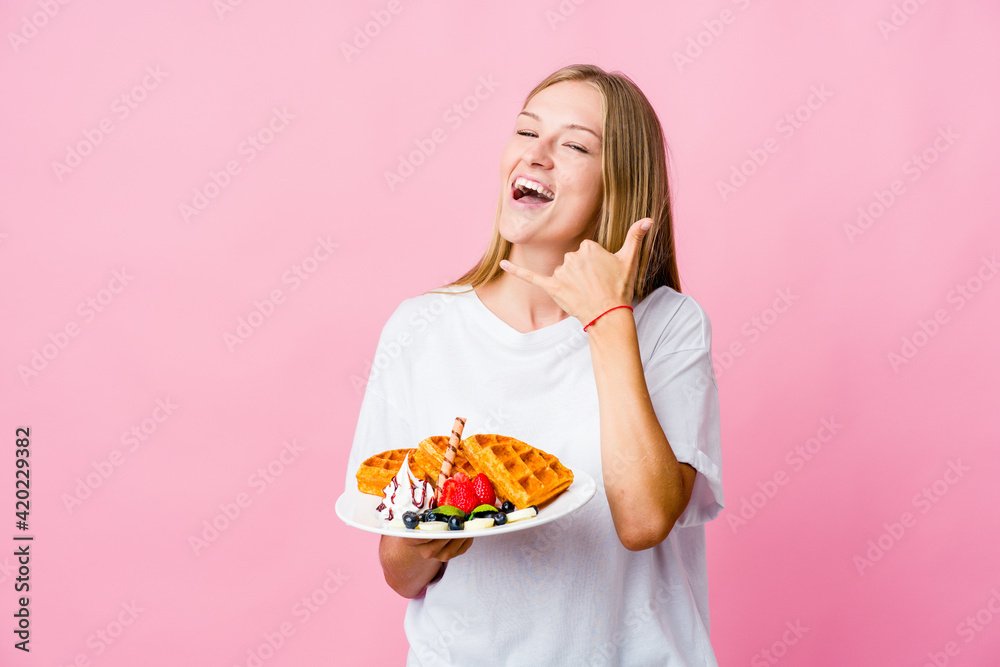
(358, 509)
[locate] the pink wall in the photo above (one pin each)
(857, 361)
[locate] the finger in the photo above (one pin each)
(630, 249)
(465, 546)
(635, 234)
(527, 275)
(462, 546)
(453, 548)
(430, 548)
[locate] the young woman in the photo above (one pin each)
(583, 237)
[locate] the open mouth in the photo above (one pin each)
(529, 192)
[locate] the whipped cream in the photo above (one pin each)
(404, 493)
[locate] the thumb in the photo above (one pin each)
(630, 249)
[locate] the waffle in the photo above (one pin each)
(375, 473)
(520, 473)
(430, 455)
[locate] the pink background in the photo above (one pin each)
(785, 553)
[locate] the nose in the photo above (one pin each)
(538, 153)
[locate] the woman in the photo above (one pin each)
(583, 236)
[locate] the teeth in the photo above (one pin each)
(524, 183)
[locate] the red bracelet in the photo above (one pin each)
(605, 313)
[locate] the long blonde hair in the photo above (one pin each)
(634, 176)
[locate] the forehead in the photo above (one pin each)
(573, 102)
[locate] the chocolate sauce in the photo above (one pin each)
(423, 494)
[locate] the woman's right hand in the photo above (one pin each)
(409, 565)
(442, 550)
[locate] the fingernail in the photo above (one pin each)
(646, 225)
(504, 264)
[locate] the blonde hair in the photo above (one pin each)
(634, 177)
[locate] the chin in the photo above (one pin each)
(511, 230)
(514, 238)
(540, 233)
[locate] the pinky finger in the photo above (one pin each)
(466, 544)
(527, 275)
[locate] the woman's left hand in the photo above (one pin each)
(591, 280)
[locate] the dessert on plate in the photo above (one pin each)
(376, 471)
(523, 474)
(486, 480)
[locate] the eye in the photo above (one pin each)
(531, 133)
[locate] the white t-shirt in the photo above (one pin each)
(567, 592)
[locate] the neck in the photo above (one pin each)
(524, 306)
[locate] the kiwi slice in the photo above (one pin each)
(449, 510)
(483, 508)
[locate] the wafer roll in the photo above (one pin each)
(449, 455)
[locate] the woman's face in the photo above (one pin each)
(557, 143)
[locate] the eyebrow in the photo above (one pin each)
(569, 126)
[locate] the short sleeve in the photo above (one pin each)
(381, 425)
(682, 388)
(380, 428)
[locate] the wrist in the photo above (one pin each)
(440, 573)
(611, 336)
(613, 312)
(406, 570)
(436, 578)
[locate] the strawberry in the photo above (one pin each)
(460, 477)
(463, 496)
(446, 490)
(483, 489)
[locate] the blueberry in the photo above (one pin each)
(431, 516)
(500, 518)
(455, 522)
(534, 507)
(410, 519)
(485, 514)
(507, 506)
